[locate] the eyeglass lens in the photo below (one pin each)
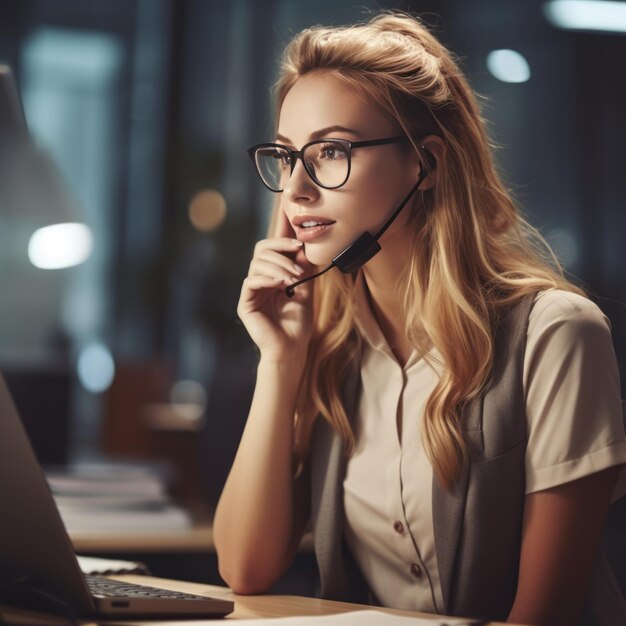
(326, 162)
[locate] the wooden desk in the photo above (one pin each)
(246, 607)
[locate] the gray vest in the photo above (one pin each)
(478, 524)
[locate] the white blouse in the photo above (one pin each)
(575, 427)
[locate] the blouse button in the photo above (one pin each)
(416, 570)
(398, 527)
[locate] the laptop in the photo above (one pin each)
(36, 555)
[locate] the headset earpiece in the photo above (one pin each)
(431, 162)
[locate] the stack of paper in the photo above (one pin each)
(103, 498)
(105, 567)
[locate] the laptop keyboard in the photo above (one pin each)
(105, 587)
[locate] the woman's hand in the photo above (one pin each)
(280, 326)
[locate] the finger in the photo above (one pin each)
(282, 244)
(301, 260)
(255, 290)
(267, 268)
(283, 227)
(257, 282)
(285, 262)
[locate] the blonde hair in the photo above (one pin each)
(472, 252)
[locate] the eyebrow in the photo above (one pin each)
(322, 132)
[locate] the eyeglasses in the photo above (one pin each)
(326, 161)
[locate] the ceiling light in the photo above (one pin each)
(96, 368)
(597, 15)
(508, 66)
(60, 245)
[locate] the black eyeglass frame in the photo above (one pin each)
(297, 154)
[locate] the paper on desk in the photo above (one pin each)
(353, 618)
(106, 567)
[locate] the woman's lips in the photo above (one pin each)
(306, 234)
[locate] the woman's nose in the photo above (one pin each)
(300, 186)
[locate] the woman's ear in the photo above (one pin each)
(432, 153)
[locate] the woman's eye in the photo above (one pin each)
(283, 157)
(331, 152)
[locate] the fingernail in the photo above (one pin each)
(297, 242)
(297, 268)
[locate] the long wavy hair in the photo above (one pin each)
(472, 253)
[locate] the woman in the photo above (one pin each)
(445, 415)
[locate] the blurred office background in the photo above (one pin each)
(147, 107)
